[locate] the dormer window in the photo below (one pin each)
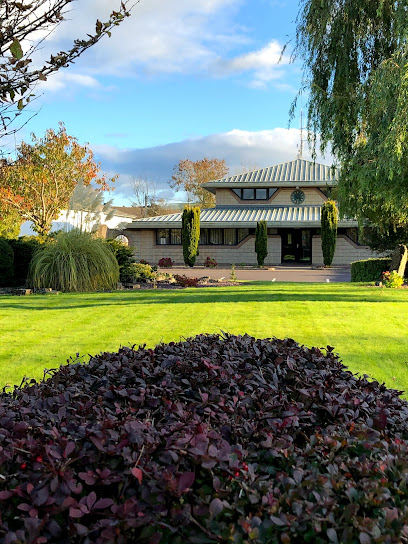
(258, 193)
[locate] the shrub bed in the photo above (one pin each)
(185, 281)
(369, 270)
(214, 439)
(165, 262)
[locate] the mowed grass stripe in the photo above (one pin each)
(367, 326)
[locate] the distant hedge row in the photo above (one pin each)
(370, 269)
(15, 258)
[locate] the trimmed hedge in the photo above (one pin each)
(370, 269)
(6, 264)
(211, 440)
(23, 249)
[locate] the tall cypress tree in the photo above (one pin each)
(261, 242)
(329, 231)
(190, 234)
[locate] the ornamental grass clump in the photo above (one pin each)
(76, 261)
(214, 439)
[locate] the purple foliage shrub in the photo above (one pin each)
(214, 439)
(185, 281)
(165, 262)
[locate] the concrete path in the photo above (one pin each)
(277, 273)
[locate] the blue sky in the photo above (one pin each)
(178, 79)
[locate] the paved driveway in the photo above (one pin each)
(277, 273)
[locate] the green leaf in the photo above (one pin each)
(16, 50)
(20, 104)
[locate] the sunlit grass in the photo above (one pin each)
(366, 325)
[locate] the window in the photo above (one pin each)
(248, 194)
(223, 237)
(255, 194)
(216, 237)
(175, 237)
(123, 239)
(242, 234)
(203, 237)
(168, 237)
(163, 237)
(261, 194)
(230, 237)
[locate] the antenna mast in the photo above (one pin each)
(300, 153)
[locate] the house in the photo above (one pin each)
(68, 219)
(288, 196)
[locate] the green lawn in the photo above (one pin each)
(366, 325)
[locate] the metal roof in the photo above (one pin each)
(298, 171)
(243, 216)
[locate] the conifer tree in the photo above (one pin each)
(190, 234)
(329, 231)
(261, 242)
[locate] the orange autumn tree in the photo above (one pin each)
(40, 182)
(189, 176)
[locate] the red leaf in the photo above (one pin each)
(24, 507)
(4, 495)
(97, 443)
(75, 513)
(103, 503)
(216, 507)
(69, 449)
(91, 499)
(186, 481)
(137, 473)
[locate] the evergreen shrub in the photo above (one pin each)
(23, 249)
(76, 262)
(329, 231)
(216, 439)
(124, 256)
(6, 264)
(190, 234)
(369, 269)
(139, 272)
(261, 242)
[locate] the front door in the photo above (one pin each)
(296, 246)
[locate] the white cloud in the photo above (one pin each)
(265, 64)
(159, 37)
(241, 149)
(163, 37)
(64, 79)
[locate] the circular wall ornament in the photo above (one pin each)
(297, 197)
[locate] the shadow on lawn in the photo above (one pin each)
(213, 295)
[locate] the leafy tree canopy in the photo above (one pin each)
(39, 184)
(10, 223)
(21, 24)
(356, 70)
(189, 176)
